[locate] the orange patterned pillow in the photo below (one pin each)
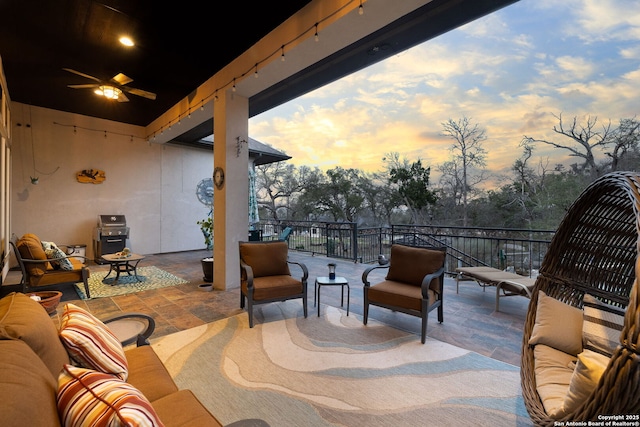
(90, 398)
(91, 344)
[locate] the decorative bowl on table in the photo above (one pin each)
(47, 299)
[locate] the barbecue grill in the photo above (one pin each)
(110, 236)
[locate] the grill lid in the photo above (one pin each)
(105, 221)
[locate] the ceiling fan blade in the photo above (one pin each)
(87, 86)
(121, 79)
(123, 98)
(140, 92)
(81, 74)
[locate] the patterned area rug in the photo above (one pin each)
(150, 278)
(333, 370)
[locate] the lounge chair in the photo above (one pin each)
(507, 284)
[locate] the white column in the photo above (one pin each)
(231, 209)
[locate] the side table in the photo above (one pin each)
(326, 281)
(121, 264)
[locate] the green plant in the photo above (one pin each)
(206, 225)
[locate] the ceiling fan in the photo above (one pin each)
(112, 89)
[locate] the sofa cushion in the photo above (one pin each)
(557, 325)
(148, 374)
(30, 247)
(602, 326)
(266, 259)
(91, 398)
(25, 319)
(183, 409)
(410, 265)
(90, 342)
(27, 387)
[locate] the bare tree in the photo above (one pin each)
(468, 158)
(588, 139)
(624, 140)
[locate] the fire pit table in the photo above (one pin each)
(122, 264)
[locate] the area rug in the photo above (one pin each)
(334, 371)
(150, 278)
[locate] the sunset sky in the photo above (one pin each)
(508, 72)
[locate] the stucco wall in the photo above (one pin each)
(153, 185)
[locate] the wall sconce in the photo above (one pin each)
(239, 143)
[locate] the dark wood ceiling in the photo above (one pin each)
(179, 46)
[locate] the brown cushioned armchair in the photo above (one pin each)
(265, 276)
(413, 285)
(38, 271)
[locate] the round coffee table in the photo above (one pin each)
(326, 281)
(121, 264)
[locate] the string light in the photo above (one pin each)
(254, 68)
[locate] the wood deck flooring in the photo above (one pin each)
(470, 319)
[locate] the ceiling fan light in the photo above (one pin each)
(98, 91)
(109, 92)
(126, 41)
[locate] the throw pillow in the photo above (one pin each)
(602, 325)
(557, 325)
(86, 397)
(91, 343)
(54, 252)
(585, 378)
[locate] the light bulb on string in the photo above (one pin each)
(233, 88)
(255, 74)
(317, 37)
(360, 9)
(282, 56)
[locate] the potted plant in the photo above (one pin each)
(206, 225)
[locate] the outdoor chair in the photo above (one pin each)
(592, 257)
(265, 275)
(413, 284)
(39, 271)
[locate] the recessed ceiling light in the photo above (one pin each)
(126, 41)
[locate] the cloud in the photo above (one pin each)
(510, 72)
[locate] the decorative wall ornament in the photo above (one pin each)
(91, 176)
(218, 177)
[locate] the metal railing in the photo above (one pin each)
(518, 250)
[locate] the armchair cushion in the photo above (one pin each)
(275, 287)
(399, 295)
(410, 265)
(30, 247)
(266, 259)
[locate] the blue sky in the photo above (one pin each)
(508, 72)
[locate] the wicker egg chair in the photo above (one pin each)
(595, 250)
